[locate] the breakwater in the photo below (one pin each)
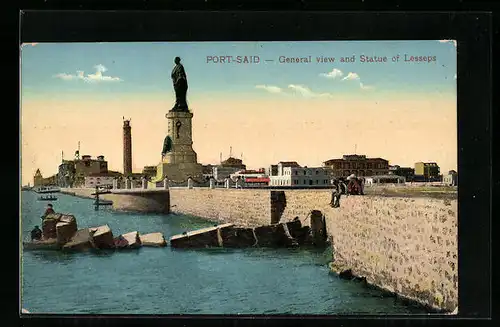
(405, 245)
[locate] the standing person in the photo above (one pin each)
(362, 185)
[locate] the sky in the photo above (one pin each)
(266, 109)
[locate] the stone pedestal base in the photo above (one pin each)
(179, 172)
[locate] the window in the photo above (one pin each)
(317, 172)
(296, 172)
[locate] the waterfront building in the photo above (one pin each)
(248, 174)
(37, 178)
(358, 165)
(227, 167)
(292, 174)
(407, 172)
(101, 179)
(451, 179)
(384, 179)
(73, 172)
(427, 171)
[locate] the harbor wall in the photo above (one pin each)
(136, 200)
(402, 244)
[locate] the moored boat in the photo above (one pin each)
(47, 189)
(47, 198)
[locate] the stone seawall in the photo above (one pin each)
(405, 245)
(135, 200)
(241, 207)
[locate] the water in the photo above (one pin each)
(178, 281)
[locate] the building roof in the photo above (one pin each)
(289, 163)
(232, 161)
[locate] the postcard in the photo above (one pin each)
(251, 178)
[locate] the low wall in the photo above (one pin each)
(129, 200)
(405, 245)
(241, 207)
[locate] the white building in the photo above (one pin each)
(384, 179)
(300, 177)
(450, 179)
(248, 174)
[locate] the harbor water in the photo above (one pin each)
(180, 281)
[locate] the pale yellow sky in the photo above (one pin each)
(400, 129)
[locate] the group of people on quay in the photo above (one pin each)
(352, 185)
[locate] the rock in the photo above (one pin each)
(303, 235)
(346, 274)
(65, 228)
(267, 236)
(237, 237)
(49, 226)
(82, 240)
(205, 237)
(102, 237)
(129, 240)
(318, 228)
(48, 244)
(153, 239)
(294, 227)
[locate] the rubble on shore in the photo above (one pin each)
(289, 234)
(60, 232)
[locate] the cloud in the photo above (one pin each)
(365, 87)
(90, 78)
(333, 74)
(306, 92)
(351, 76)
(269, 88)
(454, 42)
(455, 76)
(66, 77)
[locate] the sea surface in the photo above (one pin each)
(179, 281)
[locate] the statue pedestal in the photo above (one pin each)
(180, 162)
(179, 172)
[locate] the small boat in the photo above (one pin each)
(47, 198)
(103, 203)
(47, 189)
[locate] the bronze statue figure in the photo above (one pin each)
(167, 146)
(179, 80)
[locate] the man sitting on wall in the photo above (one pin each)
(338, 186)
